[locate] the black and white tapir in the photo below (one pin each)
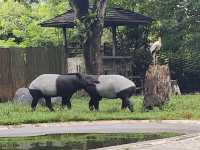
(53, 85)
(111, 86)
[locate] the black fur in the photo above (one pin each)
(94, 97)
(125, 95)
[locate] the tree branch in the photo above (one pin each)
(80, 7)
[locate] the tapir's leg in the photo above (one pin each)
(48, 103)
(94, 103)
(127, 103)
(130, 105)
(34, 103)
(125, 95)
(94, 98)
(91, 105)
(36, 95)
(66, 101)
(123, 104)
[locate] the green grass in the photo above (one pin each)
(179, 107)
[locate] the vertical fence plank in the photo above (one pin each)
(5, 75)
(17, 68)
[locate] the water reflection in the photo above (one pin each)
(75, 141)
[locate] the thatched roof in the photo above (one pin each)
(114, 17)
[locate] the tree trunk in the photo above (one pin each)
(157, 86)
(92, 46)
(92, 53)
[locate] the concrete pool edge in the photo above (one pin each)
(184, 142)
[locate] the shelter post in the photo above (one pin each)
(65, 50)
(114, 33)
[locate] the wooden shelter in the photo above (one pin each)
(113, 61)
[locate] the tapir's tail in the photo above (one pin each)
(133, 91)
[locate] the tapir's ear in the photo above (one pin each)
(79, 75)
(96, 81)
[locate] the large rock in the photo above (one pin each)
(22, 95)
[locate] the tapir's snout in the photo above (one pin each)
(96, 81)
(93, 83)
(92, 80)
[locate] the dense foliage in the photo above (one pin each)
(178, 22)
(19, 23)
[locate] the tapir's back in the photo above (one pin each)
(46, 83)
(110, 85)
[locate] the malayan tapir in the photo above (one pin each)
(111, 86)
(54, 85)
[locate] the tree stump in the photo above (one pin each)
(157, 86)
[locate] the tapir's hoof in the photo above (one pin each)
(147, 108)
(51, 110)
(131, 110)
(69, 108)
(66, 108)
(91, 108)
(33, 109)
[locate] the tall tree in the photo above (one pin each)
(91, 23)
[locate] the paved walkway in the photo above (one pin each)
(181, 126)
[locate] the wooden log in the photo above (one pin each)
(157, 86)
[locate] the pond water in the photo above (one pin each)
(76, 141)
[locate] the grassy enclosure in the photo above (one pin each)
(179, 107)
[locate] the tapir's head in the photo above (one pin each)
(87, 80)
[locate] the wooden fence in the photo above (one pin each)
(20, 66)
